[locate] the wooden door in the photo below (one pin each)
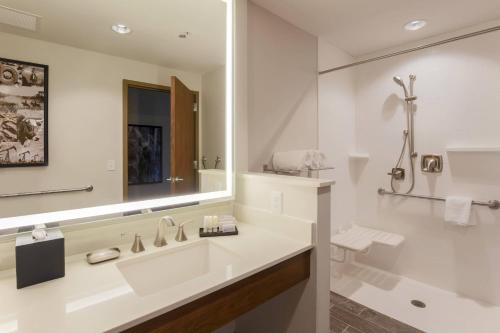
(183, 138)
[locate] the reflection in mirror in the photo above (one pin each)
(110, 102)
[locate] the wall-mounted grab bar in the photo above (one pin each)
(492, 204)
(89, 188)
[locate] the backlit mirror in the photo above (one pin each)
(113, 107)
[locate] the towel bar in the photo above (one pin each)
(492, 204)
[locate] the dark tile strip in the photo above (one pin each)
(346, 304)
(386, 322)
(336, 325)
(356, 318)
(353, 320)
(351, 329)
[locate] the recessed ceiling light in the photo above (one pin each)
(121, 29)
(415, 25)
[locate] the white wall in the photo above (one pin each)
(305, 307)
(240, 86)
(458, 97)
(85, 124)
(282, 87)
(213, 120)
(337, 136)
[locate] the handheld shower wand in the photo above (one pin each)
(400, 82)
(398, 172)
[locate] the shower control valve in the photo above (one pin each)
(397, 173)
(432, 163)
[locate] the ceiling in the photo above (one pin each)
(364, 26)
(155, 26)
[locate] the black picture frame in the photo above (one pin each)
(7, 68)
(157, 159)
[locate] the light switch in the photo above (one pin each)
(111, 165)
(277, 202)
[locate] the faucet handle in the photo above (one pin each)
(137, 246)
(181, 235)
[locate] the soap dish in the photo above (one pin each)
(98, 256)
(217, 233)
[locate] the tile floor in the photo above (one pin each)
(347, 316)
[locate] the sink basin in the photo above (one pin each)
(165, 269)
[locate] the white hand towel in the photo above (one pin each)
(457, 211)
(298, 160)
(229, 228)
(227, 219)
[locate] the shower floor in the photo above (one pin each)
(445, 312)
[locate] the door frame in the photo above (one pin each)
(144, 85)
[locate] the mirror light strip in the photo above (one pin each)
(229, 95)
(75, 214)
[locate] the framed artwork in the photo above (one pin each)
(23, 114)
(144, 154)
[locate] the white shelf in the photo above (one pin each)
(473, 149)
(359, 156)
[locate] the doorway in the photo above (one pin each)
(160, 145)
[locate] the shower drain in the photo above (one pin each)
(418, 304)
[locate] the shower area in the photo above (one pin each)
(406, 134)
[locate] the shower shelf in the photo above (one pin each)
(473, 149)
(359, 156)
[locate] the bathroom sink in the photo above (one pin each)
(166, 269)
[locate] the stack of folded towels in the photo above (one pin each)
(222, 223)
(296, 160)
(227, 223)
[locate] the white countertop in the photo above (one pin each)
(289, 180)
(98, 298)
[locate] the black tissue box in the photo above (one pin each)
(38, 261)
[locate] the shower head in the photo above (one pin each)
(400, 82)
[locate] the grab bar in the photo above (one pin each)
(89, 188)
(492, 204)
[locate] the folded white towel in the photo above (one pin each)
(227, 219)
(457, 211)
(229, 228)
(298, 160)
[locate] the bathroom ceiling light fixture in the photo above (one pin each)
(121, 29)
(415, 25)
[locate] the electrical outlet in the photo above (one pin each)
(111, 165)
(277, 202)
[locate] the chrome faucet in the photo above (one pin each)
(161, 232)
